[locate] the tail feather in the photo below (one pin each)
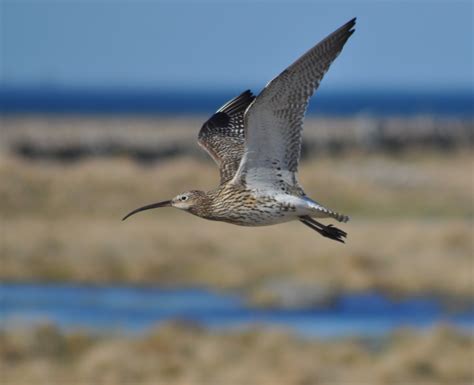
(326, 231)
(339, 217)
(333, 214)
(328, 212)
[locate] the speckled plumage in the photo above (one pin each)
(256, 142)
(223, 135)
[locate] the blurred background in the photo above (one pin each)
(101, 103)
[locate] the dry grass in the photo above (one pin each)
(411, 228)
(177, 354)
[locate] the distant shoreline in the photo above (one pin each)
(153, 138)
(125, 101)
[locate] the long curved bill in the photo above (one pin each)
(148, 207)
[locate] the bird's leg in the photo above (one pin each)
(326, 231)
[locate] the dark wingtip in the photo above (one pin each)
(351, 23)
(349, 26)
(343, 33)
(238, 104)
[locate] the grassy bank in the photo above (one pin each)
(179, 354)
(411, 227)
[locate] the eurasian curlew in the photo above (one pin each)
(256, 142)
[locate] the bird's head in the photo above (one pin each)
(188, 201)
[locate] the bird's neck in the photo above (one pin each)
(204, 206)
(210, 205)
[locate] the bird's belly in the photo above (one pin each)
(266, 211)
(259, 219)
(264, 219)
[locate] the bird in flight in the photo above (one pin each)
(256, 142)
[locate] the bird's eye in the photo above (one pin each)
(184, 198)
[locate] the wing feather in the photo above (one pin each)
(274, 121)
(223, 135)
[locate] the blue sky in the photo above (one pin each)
(408, 45)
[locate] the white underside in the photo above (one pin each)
(302, 207)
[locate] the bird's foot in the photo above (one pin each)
(328, 231)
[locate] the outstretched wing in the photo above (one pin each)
(274, 122)
(223, 135)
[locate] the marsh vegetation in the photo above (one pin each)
(184, 354)
(411, 233)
